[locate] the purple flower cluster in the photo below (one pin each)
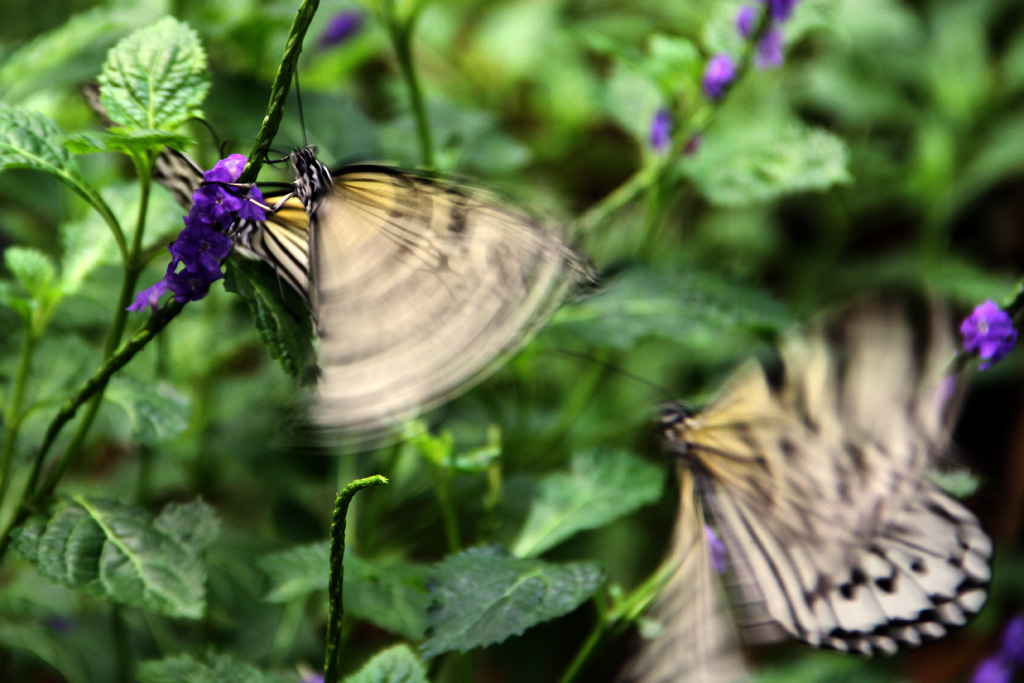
(988, 331)
(721, 68)
(340, 28)
(1000, 667)
(205, 240)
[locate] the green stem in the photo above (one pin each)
(590, 644)
(279, 91)
(401, 38)
(442, 484)
(334, 588)
(12, 413)
(651, 173)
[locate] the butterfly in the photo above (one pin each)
(815, 473)
(419, 287)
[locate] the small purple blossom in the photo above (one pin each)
(988, 331)
(781, 9)
(745, 20)
(340, 28)
(661, 130)
(149, 297)
(1000, 667)
(1013, 641)
(719, 553)
(190, 285)
(769, 49)
(199, 246)
(718, 75)
(61, 625)
(313, 678)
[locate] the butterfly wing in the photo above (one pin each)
(698, 641)
(421, 288)
(816, 473)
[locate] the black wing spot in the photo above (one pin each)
(918, 566)
(887, 584)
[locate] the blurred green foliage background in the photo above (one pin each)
(888, 152)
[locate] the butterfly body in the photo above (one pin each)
(817, 480)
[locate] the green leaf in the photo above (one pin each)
(398, 664)
(86, 245)
(632, 100)
(156, 411)
(768, 165)
(483, 596)
(703, 312)
(48, 646)
(283, 325)
(116, 552)
(155, 78)
(212, 668)
(61, 56)
(960, 483)
(675, 64)
(387, 593)
(601, 486)
(30, 140)
(125, 142)
(32, 269)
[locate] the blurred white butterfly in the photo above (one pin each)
(815, 473)
(419, 287)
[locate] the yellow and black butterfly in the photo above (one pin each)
(815, 473)
(418, 287)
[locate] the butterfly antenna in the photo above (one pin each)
(617, 370)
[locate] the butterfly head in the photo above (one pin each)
(312, 178)
(673, 420)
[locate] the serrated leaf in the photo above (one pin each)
(32, 269)
(30, 140)
(601, 486)
(212, 668)
(155, 78)
(156, 411)
(389, 594)
(284, 328)
(125, 142)
(700, 311)
(115, 552)
(767, 166)
(483, 596)
(398, 664)
(195, 523)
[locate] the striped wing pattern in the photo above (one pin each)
(421, 288)
(816, 475)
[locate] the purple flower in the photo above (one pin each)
(769, 49)
(206, 238)
(1013, 641)
(718, 75)
(191, 286)
(988, 331)
(227, 170)
(719, 553)
(313, 678)
(1000, 667)
(781, 9)
(340, 28)
(993, 670)
(199, 246)
(661, 130)
(745, 21)
(252, 209)
(149, 297)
